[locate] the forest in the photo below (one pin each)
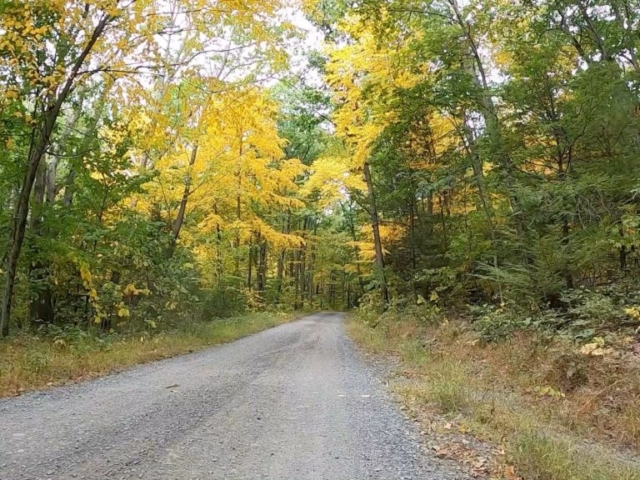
(161, 155)
(499, 141)
(456, 172)
(156, 157)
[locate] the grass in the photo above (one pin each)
(544, 458)
(34, 362)
(516, 394)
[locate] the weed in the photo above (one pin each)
(63, 355)
(539, 398)
(541, 457)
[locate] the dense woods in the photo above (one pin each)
(154, 160)
(502, 141)
(459, 172)
(164, 158)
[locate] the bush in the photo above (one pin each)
(224, 301)
(497, 323)
(585, 315)
(594, 308)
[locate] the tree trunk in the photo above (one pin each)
(300, 270)
(262, 266)
(280, 273)
(39, 144)
(312, 264)
(69, 182)
(623, 250)
(491, 119)
(41, 309)
(352, 230)
(250, 267)
(412, 240)
(176, 226)
(375, 226)
(41, 304)
(238, 174)
(219, 260)
(286, 228)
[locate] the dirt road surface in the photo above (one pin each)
(296, 402)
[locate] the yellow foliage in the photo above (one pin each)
(364, 75)
(331, 179)
(633, 312)
(131, 290)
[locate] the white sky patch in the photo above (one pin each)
(311, 39)
(220, 55)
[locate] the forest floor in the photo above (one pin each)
(526, 408)
(33, 362)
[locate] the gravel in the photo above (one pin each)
(296, 402)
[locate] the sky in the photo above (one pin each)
(299, 49)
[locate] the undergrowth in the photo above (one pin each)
(560, 413)
(29, 362)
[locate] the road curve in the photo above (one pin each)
(292, 403)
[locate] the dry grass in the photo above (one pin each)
(561, 415)
(31, 363)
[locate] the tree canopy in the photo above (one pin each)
(158, 155)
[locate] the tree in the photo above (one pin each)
(498, 136)
(60, 59)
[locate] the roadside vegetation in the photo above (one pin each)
(155, 176)
(553, 409)
(468, 167)
(499, 146)
(58, 356)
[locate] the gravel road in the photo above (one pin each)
(292, 403)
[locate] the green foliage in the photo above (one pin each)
(224, 301)
(581, 315)
(503, 144)
(497, 323)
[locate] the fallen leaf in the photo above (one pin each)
(510, 473)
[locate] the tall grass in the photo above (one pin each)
(30, 362)
(449, 372)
